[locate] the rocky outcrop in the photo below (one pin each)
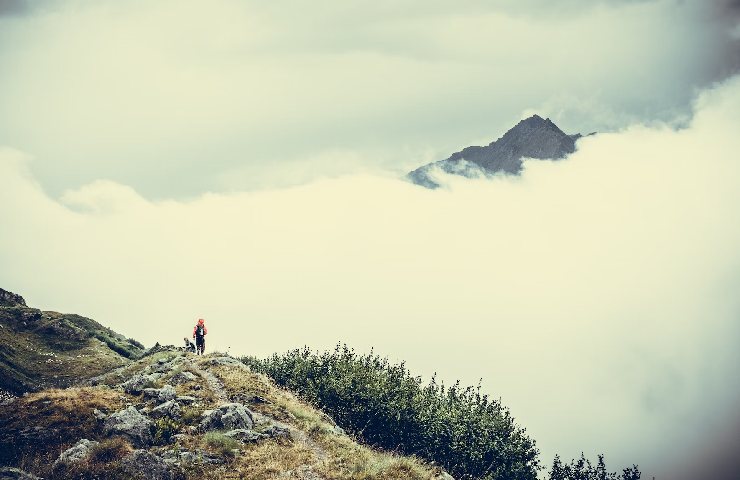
(230, 416)
(80, 451)
(7, 473)
(145, 465)
(182, 377)
(246, 436)
(170, 409)
(136, 384)
(161, 395)
(10, 299)
(130, 424)
(533, 137)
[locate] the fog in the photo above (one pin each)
(176, 98)
(597, 296)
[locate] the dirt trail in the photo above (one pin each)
(296, 434)
(214, 384)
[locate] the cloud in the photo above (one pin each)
(597, 295)
(142, 93)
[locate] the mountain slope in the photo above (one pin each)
(533, 137)
(50, 349)
(167, 415)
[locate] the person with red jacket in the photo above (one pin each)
(199, 334)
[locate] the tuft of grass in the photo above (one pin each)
(110, 450)
(219, 443)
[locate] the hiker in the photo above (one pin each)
(199, 334)
(189, 346)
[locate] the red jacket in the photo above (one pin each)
(205, 330)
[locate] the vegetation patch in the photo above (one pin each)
(220, 444)
(470, 434)
(51, 421)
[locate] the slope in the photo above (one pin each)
(50, 349)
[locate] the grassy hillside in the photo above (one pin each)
(50, 349)
(289, 439)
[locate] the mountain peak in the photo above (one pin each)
(533, 137)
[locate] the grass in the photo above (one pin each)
(47, 423)
(220, 444)
(331, 456)
(50, 349)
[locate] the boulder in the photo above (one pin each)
(10, 299)
(229, 416)
(275, 431)
(161, 395)
(245, 435)
(186, 399)
(170, 409)
(136, 384)
(182, 377)
(225, 361)
(131, 424)
(7, 473)
(80, 451)
(145, 465)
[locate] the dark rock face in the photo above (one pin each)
(533, 137)
(10, 299)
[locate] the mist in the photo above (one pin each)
(246, 95)
(597, 296)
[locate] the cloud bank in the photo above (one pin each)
(233, 95)
(598, 296)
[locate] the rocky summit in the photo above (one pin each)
(533, 137)
(161, 413)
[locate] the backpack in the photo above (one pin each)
(199, 331)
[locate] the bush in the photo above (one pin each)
(163, 429)
(582, 469)
(469, 434)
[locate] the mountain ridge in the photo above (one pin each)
(533, 137)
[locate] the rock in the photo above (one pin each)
(145, 465)
(245, 435)
(131, 424)
(227, 361)
(10, 299)
(170, 409)
(80, 451)
(186, 399)
(444, 476)
(161, 395)
(99, 415)
(275, 431)
(136, 384)
(534, 138)
(7, 473)
(229, 416)
(182, 377)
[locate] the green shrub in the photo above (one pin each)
(582, 469)
(163, 429)
(469, 434)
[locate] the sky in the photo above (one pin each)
(240, 161)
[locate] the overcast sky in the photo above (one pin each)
(161, 161)
(176, 98)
